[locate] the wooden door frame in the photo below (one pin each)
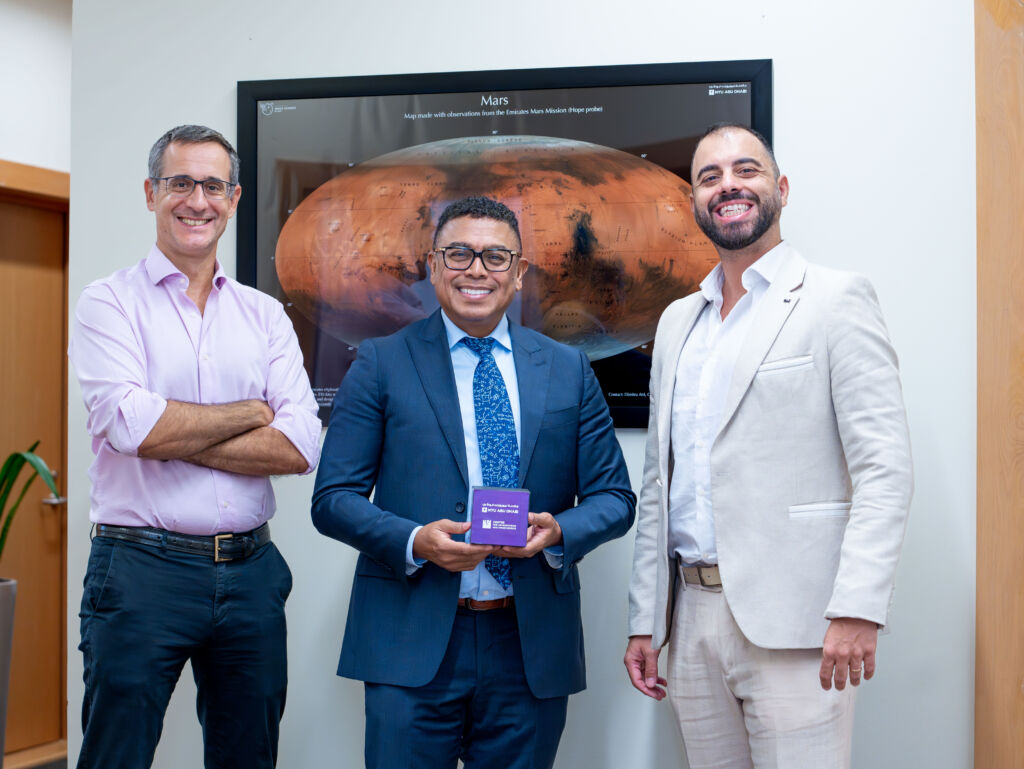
(999, 621)
(50, 190)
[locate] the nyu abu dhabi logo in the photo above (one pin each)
(269, 108)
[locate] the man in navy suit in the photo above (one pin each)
(468, 651)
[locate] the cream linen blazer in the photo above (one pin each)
(811, 473)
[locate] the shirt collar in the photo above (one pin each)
(500, 334)
(158, 267)
(762, 271)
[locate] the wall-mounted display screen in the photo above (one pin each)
(344, 179)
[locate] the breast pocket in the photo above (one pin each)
(566, 416)
(791, 363)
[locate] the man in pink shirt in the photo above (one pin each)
(196, 393)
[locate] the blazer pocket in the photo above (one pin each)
(821, 510)
(785, 364)
(368, 567)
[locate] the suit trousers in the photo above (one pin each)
(744, 707)
(478, 708)
(145, 611)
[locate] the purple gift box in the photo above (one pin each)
(499, 516)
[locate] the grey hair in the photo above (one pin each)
(190, 134)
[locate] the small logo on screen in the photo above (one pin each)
(267, 108)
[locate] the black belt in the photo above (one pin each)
(223, 547)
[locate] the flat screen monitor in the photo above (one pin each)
(344, 178)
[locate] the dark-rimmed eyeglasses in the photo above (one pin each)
(182, 186)
(461, 258)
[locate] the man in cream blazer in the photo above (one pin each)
(775, 490)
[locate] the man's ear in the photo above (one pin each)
(436, 266)
(783, 185)
(150, 194)
(521, 269)
(236, 195)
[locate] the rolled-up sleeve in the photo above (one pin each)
(289, 393)
(110, 363)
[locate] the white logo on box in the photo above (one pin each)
(485, 524)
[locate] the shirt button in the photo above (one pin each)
(487, 592)
(225, 504)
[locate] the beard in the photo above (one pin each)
(734, 237)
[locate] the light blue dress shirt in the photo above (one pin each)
(478, 584)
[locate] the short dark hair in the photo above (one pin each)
(478, 207)
(190, 134)
(720, 127)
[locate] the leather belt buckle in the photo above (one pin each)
(230, 546)
(705, 576)
(217, 539)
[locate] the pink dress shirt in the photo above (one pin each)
(138, 341)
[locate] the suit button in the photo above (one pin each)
(460, 508)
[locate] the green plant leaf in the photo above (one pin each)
(9, 473)
(41, 468)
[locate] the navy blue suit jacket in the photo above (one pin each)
(396, 429)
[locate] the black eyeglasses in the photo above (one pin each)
(182, 186)
(461, 258)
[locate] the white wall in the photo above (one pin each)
(35, 82)
(874, 124)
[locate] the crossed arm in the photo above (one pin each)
(110, 356)
(235, 437)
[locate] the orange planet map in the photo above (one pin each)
(610, 238)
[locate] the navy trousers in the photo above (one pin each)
(478, 707)
(145, 611)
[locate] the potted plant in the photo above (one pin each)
(9, 473)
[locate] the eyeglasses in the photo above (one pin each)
(461, 258)
(182, 186)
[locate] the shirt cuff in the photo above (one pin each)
(138, 412)
(303, 432)
(554, 556)
(412, 563)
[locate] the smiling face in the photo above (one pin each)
(188, 228)
(475, 299)
(737, 197)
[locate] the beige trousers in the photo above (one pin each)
(740, 706)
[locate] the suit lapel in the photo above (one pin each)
(533, 370)
(778, 302)
(433, 362)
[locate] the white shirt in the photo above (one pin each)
(703, 375)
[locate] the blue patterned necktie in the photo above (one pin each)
(495, 435)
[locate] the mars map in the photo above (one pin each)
(350, 190)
